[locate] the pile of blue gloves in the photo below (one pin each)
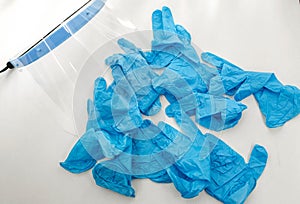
(119, 145)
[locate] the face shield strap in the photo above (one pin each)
(8, 66)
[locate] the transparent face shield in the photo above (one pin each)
(66, 62)
(56, 60)
(89, 47)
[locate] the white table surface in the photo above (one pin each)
(256, 35)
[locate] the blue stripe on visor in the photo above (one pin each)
(59, 35)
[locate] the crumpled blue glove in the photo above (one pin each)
(167, 157)
(135, 161)
(105, 121)
(110, 174)
(138, 74)
(213, 112)
(278, 103)
(181, 77)
(138, 160)
(94, 145)
(191, 172)
(170, 40)
(116, 105)
(236, 81)
(171, 48)
(232, 180)
(80, 158)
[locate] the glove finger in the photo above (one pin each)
(112, 180)
(100, 84)
(90, 108)
(243, 92)
(114, 60)
(183, 34)
(118, 74)
(92, 117)
(157, 25)
(79, 160)
(212, 59)
(255, 81)
(153, 109)
(170, 110)
(84, 154)
(167, 19)
(127, 46)
(216, 61)
(258, 160)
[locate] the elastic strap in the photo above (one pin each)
(8, 66)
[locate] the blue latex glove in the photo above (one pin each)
(191, 172)
(102, 138)
(134, 162)
(170, 156)
(236, 81)
(232, 180)
(139, 75)
(113, 180)
(213, 112)
(116, 105)
(179, 77)
(94, 145)
(110, 174)
(173, 42)
(79, 159)
(278, 103)
(171, 48)
(170, 40)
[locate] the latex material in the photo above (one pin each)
(232, 180)
(213, 112)
(277, 102)
(102, 138)
(208, 164)
(79, 160)
(169, 40)
(139, 75)
(190, 174)
(94, 145)
(116, 105)
(171, 48)
(189, 159)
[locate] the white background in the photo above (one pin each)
(256, 35)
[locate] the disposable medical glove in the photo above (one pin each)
(232, 180)
(213, 112)
(190, 174)
(170, 40)
(116, 105)
(138, 74)
(278, 106)
(169, 156)
(171, 48)
(110, 174)
(277, 102)
(94, 145)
